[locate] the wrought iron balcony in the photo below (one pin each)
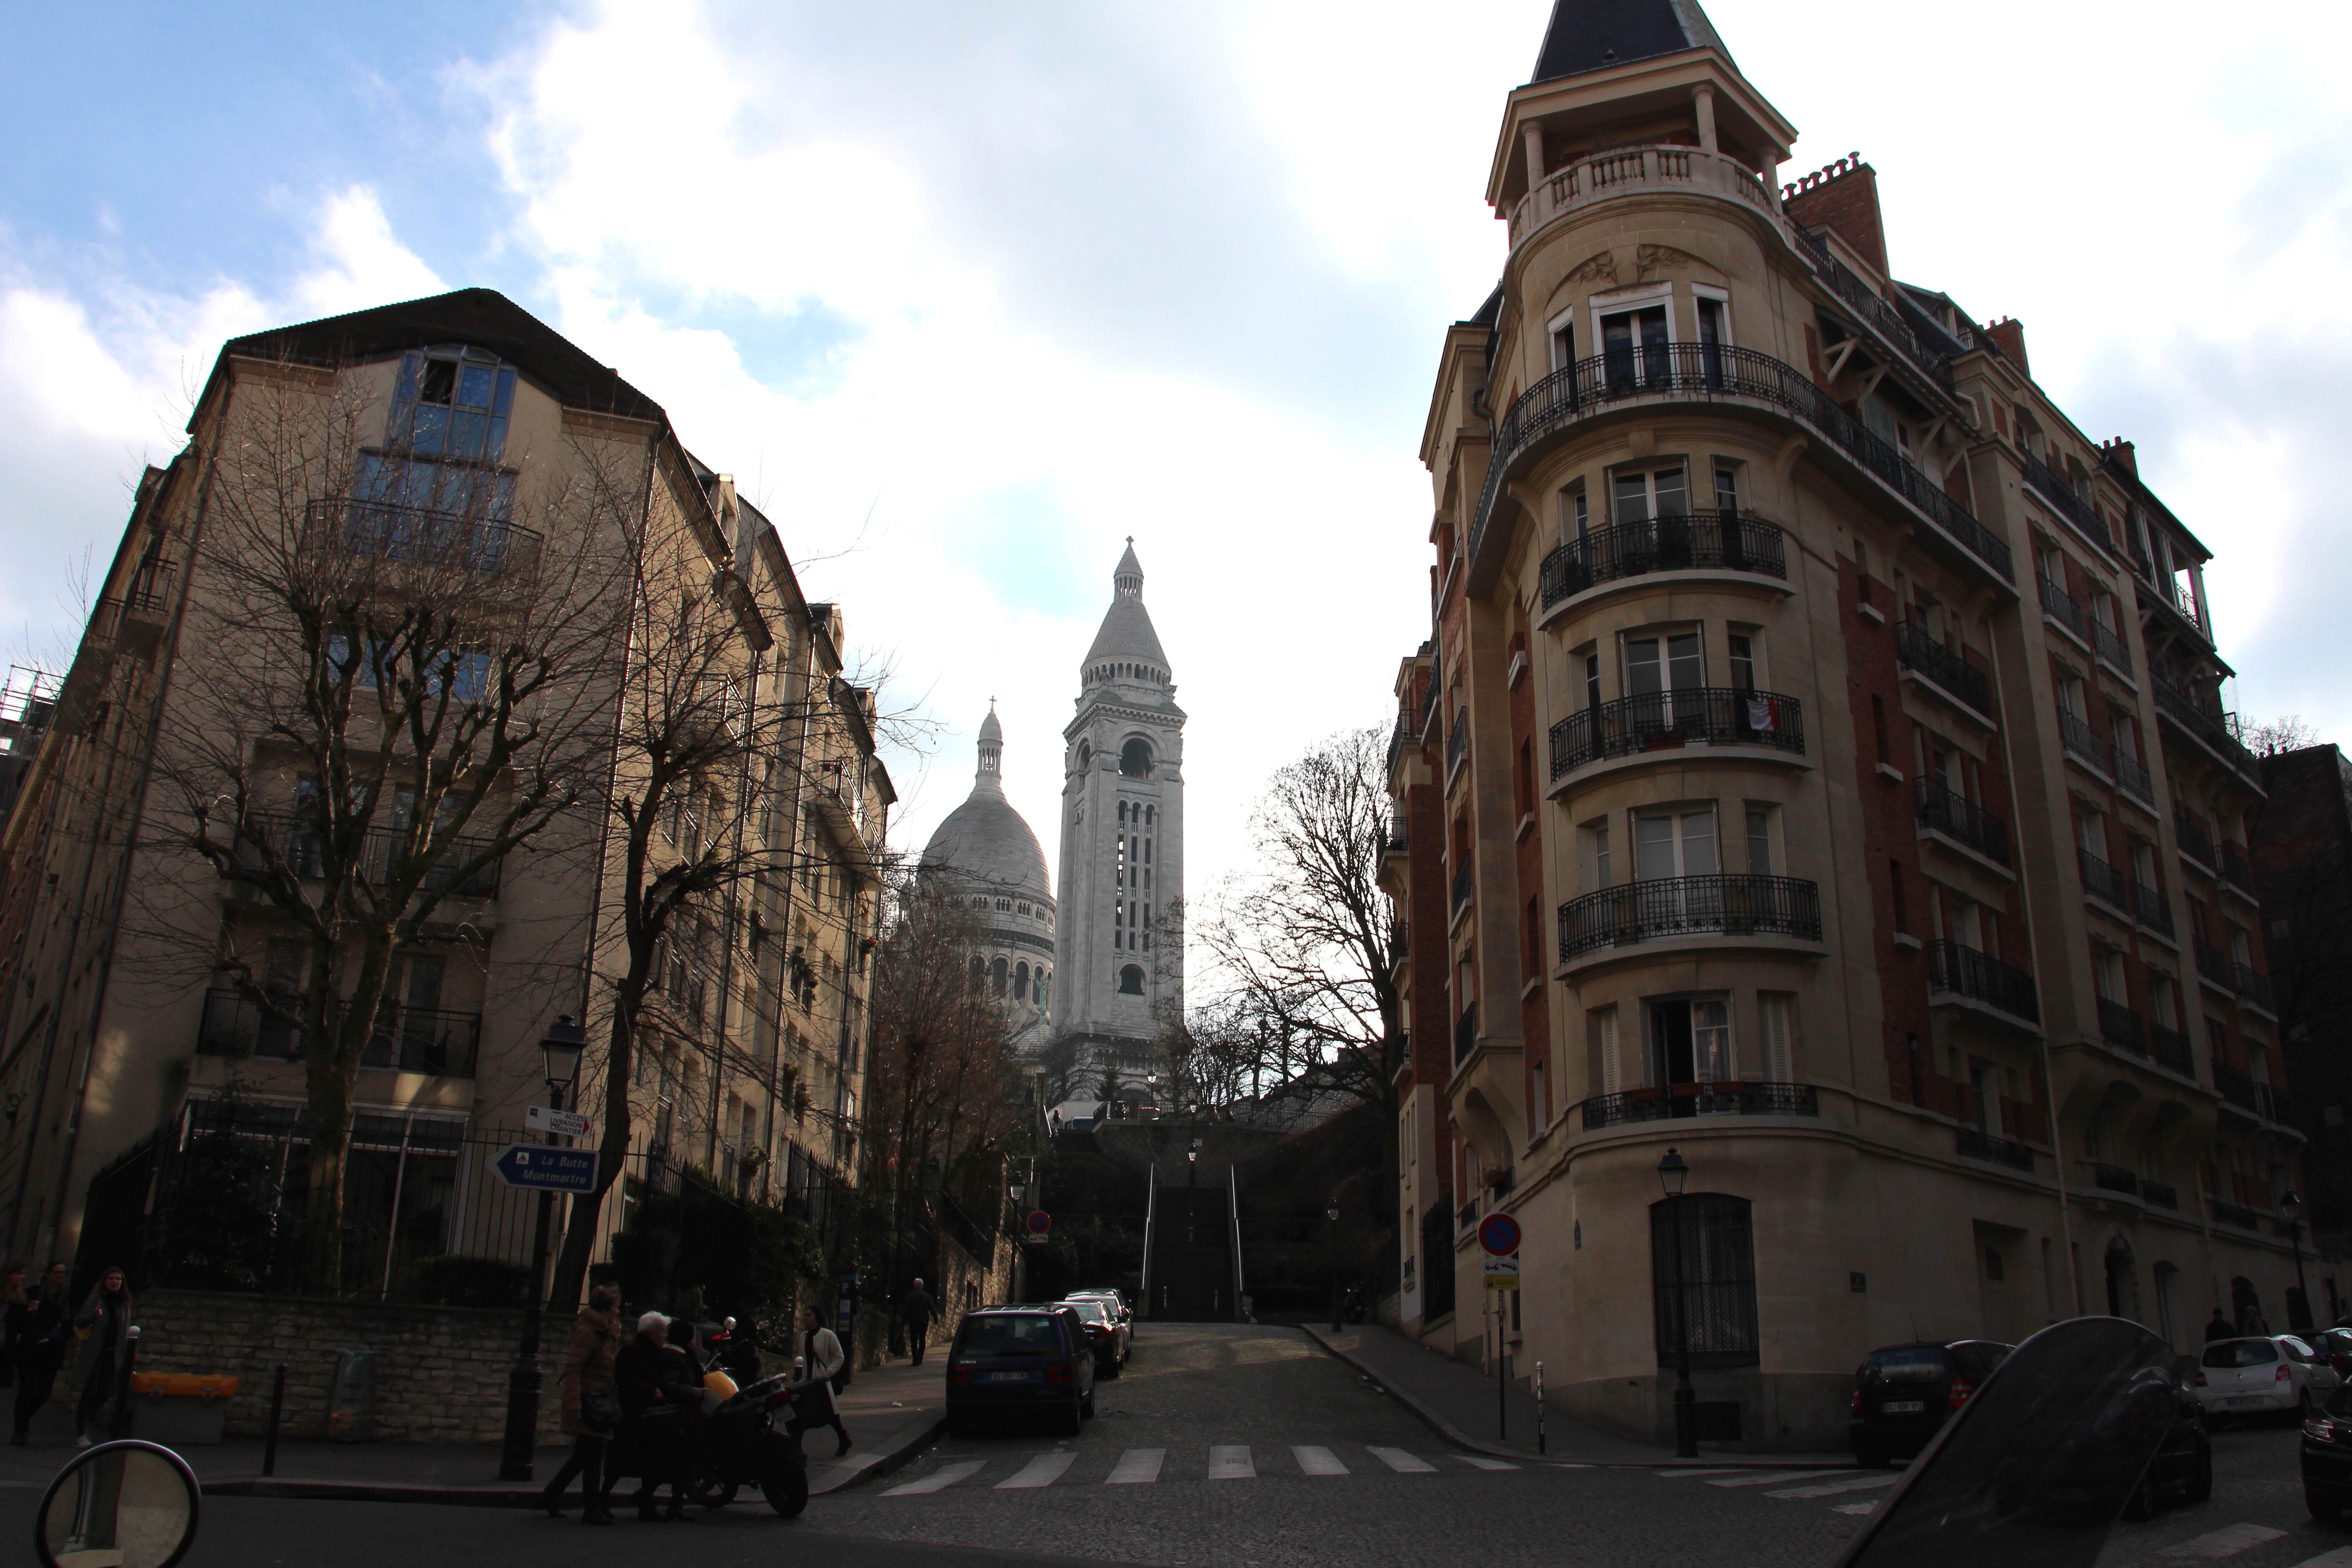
(2083, 742)
(2104, 883)
(1690, 906)
(2254, 988)
(2152, 909)
(1958, 970)
(2194, 845)
(423, 536)
(2169, 1048)
(2160, 1194)
(1884, 318)
(2114, 1179)
(2132, 778)
(1400, 836)
(1698, 542)
(2063, 499)
(2235, 869)
(1694, 715)
(1690, 1100)
(2237, 1215)
(2109, 644)
(2237, 1086)
(1707, 372)
(1917, 650)
(1465, 884)
(2210, 730)
(2064, 608)
(2214, 964)
(405, 1040)
(1457, 741)
(1974, 1143)
(302, 846)
(1466, 1034)
(2122, 1028)
(1947, 813)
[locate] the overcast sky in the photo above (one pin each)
(964, 293)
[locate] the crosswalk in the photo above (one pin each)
(1144, 1467)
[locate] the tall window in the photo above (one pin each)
(1644, 495)
(1633, 348)
(1726, 488)
(1690, 1041)
(1675, 844)
(1772, 1022)
(454, 402)
(1657, 662)
(1703, 1279)
(1603, 1071)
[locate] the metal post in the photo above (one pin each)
(1502, 1373)
(2302, 1291)
(121, 1427)
(1685, 1400)
(523, 1382)
(277, 1412)
(1539, 1410)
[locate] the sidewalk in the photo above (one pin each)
(893, 1413)
(1459, 1403)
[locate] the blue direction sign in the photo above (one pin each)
(1499, 1235)
(547, 1169)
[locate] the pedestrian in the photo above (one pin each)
(12, 1301)
(100, 1325)
(822, 1361)
(742, 1358)
(653, 1433)
(919, 1310)
(592, 1410)
(36, 1334)
(2220, 1328)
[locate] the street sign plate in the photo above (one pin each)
(1499, 1235)
(547, 1169)
(1503, 1273)
(1039, 1223)
(563, 1123)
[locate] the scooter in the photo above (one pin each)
(738, 1443)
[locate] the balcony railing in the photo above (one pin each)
(2214, 964)
(2104, 883)
(1635, 1105)
(2152, 909)
(2064, 608)
(2194, 845)
(2160, 1194)
(1463, 884)
(2122, 1028)
(2237, 1086)
(405, 1040)
(1974, 1143)
(1947, 813)
(1690, 906)
(1694, 716)
(1706, 372)
(2254, 988)
(2083, 742)
(2212, 730)
(302, 846)
(1958, 970)
(2272, 1103)
(2109, 644)
(1627, 171)
(421, 536)
(1466, 1034)
(2114, 1179)
(2235, 869)
(2169, 1048)
(2063, 499)
(1952, 671)
(2237, 1215)
(1882, 316)
(1400, 836)
(1457, 741)
(1700, 542)
(2132, 778)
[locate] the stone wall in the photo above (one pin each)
(440, 1372)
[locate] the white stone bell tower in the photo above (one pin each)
(1118, 968)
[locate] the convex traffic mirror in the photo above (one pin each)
(118, 1505)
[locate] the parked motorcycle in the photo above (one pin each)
(740, 1443)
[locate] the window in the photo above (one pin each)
(1675, 844)
(1563, 339)
(1726, 488)
(1020, 982)
(1703, 1279)
(1633, 348)
(1644, 495)
(1604, 1072)
(1772, 1025)
(1597, 870)
(1759, 841)
(1591, 681)
(1711, 339)
(1690, 1041)
(1742, 648)
(453, 401)
(1657, 662)
(2107, 967)
(1130, 980)
(1135, 759)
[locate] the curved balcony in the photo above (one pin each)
(1690, 906)
(1697, 542)
(1685, 1099)
(1635, 171)
(1710, 372)
(1669, 721)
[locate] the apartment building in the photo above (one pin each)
(450, 455)
(1815, 767)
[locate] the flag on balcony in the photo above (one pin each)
(1763, 713)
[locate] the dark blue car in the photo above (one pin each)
(1020, 1360)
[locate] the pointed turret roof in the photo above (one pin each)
(1593, 35)
(1126, 630)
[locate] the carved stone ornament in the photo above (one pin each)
(1652, 258)
(1602, 264)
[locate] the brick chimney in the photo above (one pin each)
(1844, 198)
(2122, 455)
(2007, 335)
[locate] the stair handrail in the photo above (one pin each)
(1151, 1211)
(1234, 1217)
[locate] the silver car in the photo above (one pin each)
(2263, 1375)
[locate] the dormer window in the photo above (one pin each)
(453, 401)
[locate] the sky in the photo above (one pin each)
(964, 294)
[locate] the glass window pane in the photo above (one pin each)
(1632, 496)
(1643, 672)
(1685, 667)
(473, 386)
(1760, 841)
(505, 404)
(1654, 839)
(1674, 492)
(1698, 844)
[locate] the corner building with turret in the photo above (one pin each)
(1814, 766)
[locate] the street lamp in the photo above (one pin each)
(1673, 1174)
(2290, 1208)
(560, 1053)
(1332, 1213)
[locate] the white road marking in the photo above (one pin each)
(1230, 1462)
(1319, 1462)
(1404, 1463)
(2339, 1558)
(1830, 1489)
(1853, 1507)
(1483, 1463)
(939, 1480)
(1136, 1467)
(2227, 1541)
(1042, 1471)
(1766, 1478)
(1677, 1474)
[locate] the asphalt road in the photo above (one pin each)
(1239, 1446)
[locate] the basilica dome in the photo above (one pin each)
(984, 840)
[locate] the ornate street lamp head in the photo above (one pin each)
(1674, 1173)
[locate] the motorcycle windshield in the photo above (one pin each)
(2032, 1471)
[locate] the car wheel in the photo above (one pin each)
(2141, 1504)
(1108, 1369)
(2327, 1509)
(1087, 1405)
(2200, 1483)
(1076, 1422)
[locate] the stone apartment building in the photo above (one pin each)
(1814, 767)
(459, 419)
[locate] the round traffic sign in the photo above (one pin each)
(1499, 1235)
(1039, 1222)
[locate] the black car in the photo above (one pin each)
(1903, 1393)
(2183, 1466)
(2327, 1456)
(1020, 1360)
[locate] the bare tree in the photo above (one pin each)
(2272, 736)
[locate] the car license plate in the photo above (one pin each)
(1008, 1377)
(2244, 1399)
(1903, 1407)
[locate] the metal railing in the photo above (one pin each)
(2237, 1086)
(1695, 541)
(2169, 1048)
(1916, 649)
(1959, 971)
(433, 1040)
(2064, 608)
(302, 846)
(2160, 1194)
(1858, 297)
(2109, 644)
(1975, 1144)
(1726, 905)
(1466, 1034)
(2214, 964)
(2104, 883)
(1694, 716)
(414, 535)
(2083, 742)
(1400, 836)
(1705, 372)
(1637, 1105)
(1457, 741)
(2194, 844)
(2212, 730)
(2121, 1028)
(1464, 886)
(2254, 986)
(2152, 909)
(2114, 1179)
(2236, 871)
(2064, 500)
(2237, 1215)
(1944, 811)
(2132, 778)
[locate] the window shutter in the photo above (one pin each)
(1773, 1013)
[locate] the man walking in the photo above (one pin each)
(2220, 1328)
(918, 1311)
(36, 1334)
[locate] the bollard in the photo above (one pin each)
(121, 1427)
(276, 1409)
(1539, 1420)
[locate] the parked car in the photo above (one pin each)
(1105, 1331)
(2182, 1469)
(1902, 1395)
(2264, 1375)
(1020, 1360)
(1114, 1297)
(2327, 1456)
(2336, 1344)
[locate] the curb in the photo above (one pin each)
(918, 1437)
(1461, 1439)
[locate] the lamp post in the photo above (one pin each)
(1018, 1191)
(560, 1052)
(1332, 1213)
(1673, 1174)
(2290, 1208)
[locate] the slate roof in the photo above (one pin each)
(1593, 35)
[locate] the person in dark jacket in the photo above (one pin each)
(741, 1358)
(653, 1433)
(2220, 1328)
(36, 1338)
(107, 1316)
(587, 1381)
(918, 1311)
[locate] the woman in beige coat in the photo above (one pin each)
(591, 1405)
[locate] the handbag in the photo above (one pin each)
(601, 1411)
